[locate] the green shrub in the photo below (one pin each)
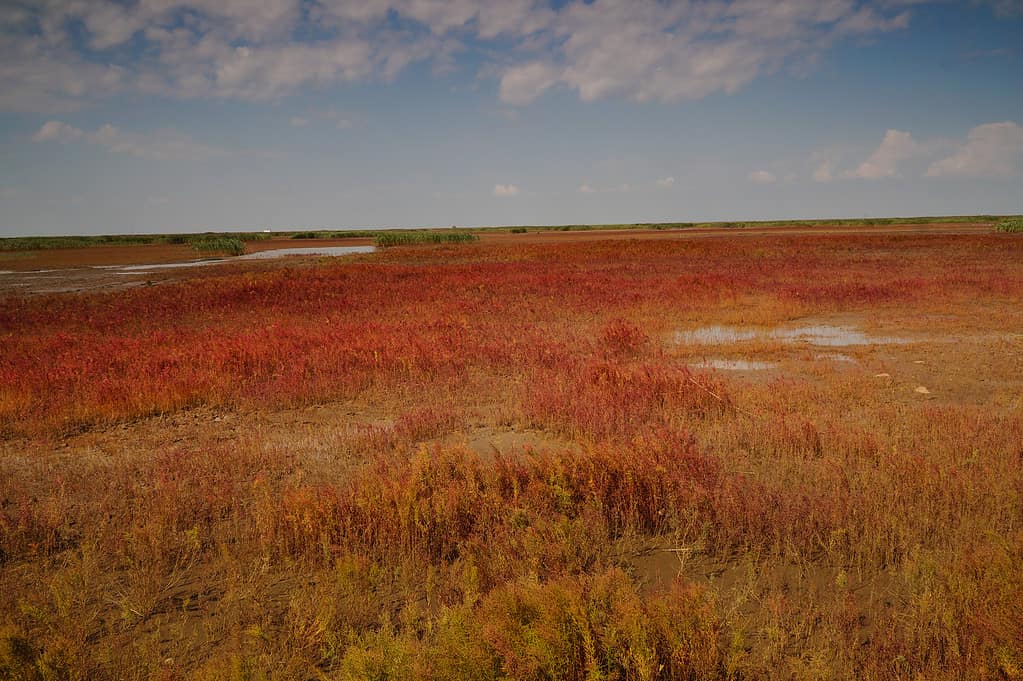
(1012, 225)
(389, 239)
(225, 245)
(518, 230)
(36, 243)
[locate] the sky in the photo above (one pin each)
(135, 116)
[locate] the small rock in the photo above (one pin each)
(882, 375)
(919, 361)
(922, 390)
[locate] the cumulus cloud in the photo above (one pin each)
(586, 189)
(58, 55)
(298, 121)
(162, 145)
(505, 190)
(762, 177)
(343, 124)
(647, 50)
(990, 150)
(666, 182)
(56, 131)
(522, 84)
(895, 147)
(235, 49)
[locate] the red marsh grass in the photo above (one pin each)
(265, 473)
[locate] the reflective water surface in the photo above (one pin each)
(819, 334)
(258, 255)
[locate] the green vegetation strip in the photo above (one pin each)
(228, 245)
(1014, 225)
(39, 243)
(389, 239)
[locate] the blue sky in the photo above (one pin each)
(186, 115)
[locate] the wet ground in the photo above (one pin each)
(152, 268)
(815, 334)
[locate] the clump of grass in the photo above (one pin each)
(224, 245)
(1010, 225)
(518, 230)
(422, 238)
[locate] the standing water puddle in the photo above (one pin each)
(833, 357)
(819, 334)
(313, 250)
(258, 255)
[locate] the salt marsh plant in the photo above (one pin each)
(166, 487)
(389, 239)
(219, 245)
(1012, 225)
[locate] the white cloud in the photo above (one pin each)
(298, 122)
(762, 177)
(56, 131)
(586, 189)
(897, 146)
(825, 172)
(666, 182)
(343, 124)
(162, 145)
(59, 55)
(990, 150)
(648, 50)
(522, 84)
(40, 74)
(505, 190)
